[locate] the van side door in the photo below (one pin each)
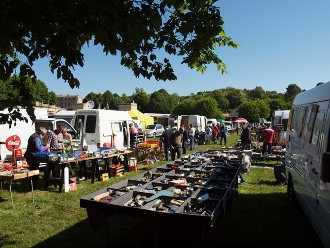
(314, 138)
(85, 124)
(323, 199)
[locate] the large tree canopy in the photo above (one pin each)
(135, 30)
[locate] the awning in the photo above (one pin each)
(241, 120)
(145, 119)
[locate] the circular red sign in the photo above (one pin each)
(13, 142)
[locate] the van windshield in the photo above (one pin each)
(151, 126)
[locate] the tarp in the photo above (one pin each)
(145, 119)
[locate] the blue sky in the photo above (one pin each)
(282, 42)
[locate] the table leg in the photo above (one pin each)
(66, 178)
(11, 193)
(61, 180)
(96, 170)
(46, 175)
(32, 189)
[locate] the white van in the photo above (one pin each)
(280, 117)
(307, 159)
(100, 126)
(198, 121)
(24, 129)
(65, 115)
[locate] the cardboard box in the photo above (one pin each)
(73, 186)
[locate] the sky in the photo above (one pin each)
(282, 42)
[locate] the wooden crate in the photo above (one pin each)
(116, 171)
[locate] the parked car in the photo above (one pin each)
(154, 130)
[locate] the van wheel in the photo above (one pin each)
(291, 194)
(154, 135)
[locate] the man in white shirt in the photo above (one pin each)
(191, 133)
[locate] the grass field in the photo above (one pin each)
(262, 217)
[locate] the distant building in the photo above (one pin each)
(127, 106)
(70, 102)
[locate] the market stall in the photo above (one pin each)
(196, 189)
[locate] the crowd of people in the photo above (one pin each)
(177, 141)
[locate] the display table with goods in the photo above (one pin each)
(196, 189)
(18, 171)
(148, 148)
(61, 159)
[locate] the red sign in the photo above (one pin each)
(13, 142)
(18, 153)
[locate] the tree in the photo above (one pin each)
(235, 97)
(52, 98)
(264, 109)
(97, 98)
(142, 99)
(257, 93)
(277, 104)
(185, 107)
(107, 100)
(291, 91)
(222, 101)
(136, 30)
(9, 92)
(160, 102)
(249, 110)
(116, 101)
(208, 107)
(126, 99)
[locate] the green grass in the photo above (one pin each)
(261, 218)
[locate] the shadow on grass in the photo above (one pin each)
(263, 220)
(5, 240)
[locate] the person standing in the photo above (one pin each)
(208, 134)
(34, 145)
(55, 143)
(166, 139)
(215, 133)
(246, 138)
(125, 133)
(66, 135)
(133, 135)
(176, 143)
(185, 140)
(191, 133)
(237, 128)
(267, 137)
(55, 138)
(223, 133)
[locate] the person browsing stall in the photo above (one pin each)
(133, 134)
(191, 132)
(176, 143)
(166, 139)
(55, 138)
(246, 138)
(267, 137)
(34, 145)
(66, 135)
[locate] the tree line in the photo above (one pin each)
(251, 104)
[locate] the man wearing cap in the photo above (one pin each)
(35, 145)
